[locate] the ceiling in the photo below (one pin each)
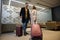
(19, 3)
(46, 3)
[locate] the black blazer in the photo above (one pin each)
(22, 13)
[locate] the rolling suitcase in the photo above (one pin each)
(19, 30)
(36, 32)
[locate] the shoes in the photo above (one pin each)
(25, 33)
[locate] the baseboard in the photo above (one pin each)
(8, 27)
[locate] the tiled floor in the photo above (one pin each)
(47, 35)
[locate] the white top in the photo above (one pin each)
(33, 16)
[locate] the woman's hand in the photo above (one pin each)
(20, 16)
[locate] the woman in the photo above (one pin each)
(33, 15)
(36, 33)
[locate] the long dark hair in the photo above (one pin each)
(34, 7)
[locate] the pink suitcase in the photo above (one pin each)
(36, 32)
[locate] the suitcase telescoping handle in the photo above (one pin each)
(19, 23)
